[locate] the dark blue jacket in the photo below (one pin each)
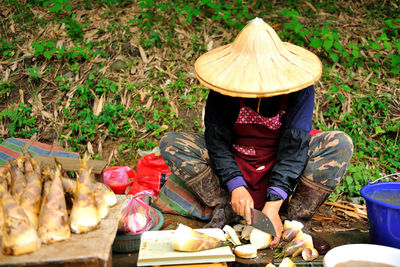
(220, 117)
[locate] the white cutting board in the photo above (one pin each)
(156, 249)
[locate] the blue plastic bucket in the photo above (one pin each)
(383, 208)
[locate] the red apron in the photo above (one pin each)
(255, 148)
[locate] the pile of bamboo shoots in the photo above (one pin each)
(295, 242)
(40, 205)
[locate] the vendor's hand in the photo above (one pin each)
(241, 202)
(271, 209)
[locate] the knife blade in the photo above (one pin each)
(261, 221)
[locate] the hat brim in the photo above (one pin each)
(258, 64)
(301, 69)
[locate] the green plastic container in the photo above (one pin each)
(126, 243)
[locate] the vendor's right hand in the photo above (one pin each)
(241, 202)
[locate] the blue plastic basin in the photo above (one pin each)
(383, 208)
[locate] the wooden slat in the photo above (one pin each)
(70, 164)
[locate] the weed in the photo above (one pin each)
(74, 28)
(5, 89)
(19, 120)
(34, 73)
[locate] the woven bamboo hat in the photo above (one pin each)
(257, 64)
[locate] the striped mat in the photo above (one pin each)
(176, 198)
(11, 149)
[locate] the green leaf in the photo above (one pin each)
(50, 44)
(316, 43)
(38, 48)
(334, 56)
(47, 54)
(355, 53)
(346, 88)
(379, 130)
(382, 37)
(68, 8)
(387, 45)
(57, 7)
(334, 89)
(375, 46)
(338, 46)
(328, 44)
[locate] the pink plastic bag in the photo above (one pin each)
(137, 215)
(118, 178)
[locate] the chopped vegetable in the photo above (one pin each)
(247, 251)
(296, 246)
(232, 235)
(260, 239)
(286, 262)
(238, 227)
(246, 232)
(290, 230)
(309, 254)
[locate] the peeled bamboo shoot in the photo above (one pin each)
(70, 187)
(53, 220)
(84, 213)
(19, 236)
(188, 239)
(18, 182)
(31, 196)
(101, 203)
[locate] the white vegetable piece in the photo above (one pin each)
(260, 239)
(309, 254)
(247, 251)
(238, 227)
(286, 262)
(232, 234)
(246, 232)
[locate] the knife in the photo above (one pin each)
(260, 221)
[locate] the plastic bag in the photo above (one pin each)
(152, 172)
(137, 216)
(118, 175)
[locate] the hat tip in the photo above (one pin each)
(257, 21)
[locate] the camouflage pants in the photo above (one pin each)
(187, 157)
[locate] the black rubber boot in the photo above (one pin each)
(306, 200)
(207, 188)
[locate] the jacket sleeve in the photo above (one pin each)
(220, 115)
(293, 145)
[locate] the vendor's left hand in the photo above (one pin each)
(271, 209)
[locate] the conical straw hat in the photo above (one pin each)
(257, 64)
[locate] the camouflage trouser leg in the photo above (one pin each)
(329, 156)
(187, 157)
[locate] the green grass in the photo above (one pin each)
(116, 75)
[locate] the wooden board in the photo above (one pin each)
(70, 164)
(84, 249)
(156, 249)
